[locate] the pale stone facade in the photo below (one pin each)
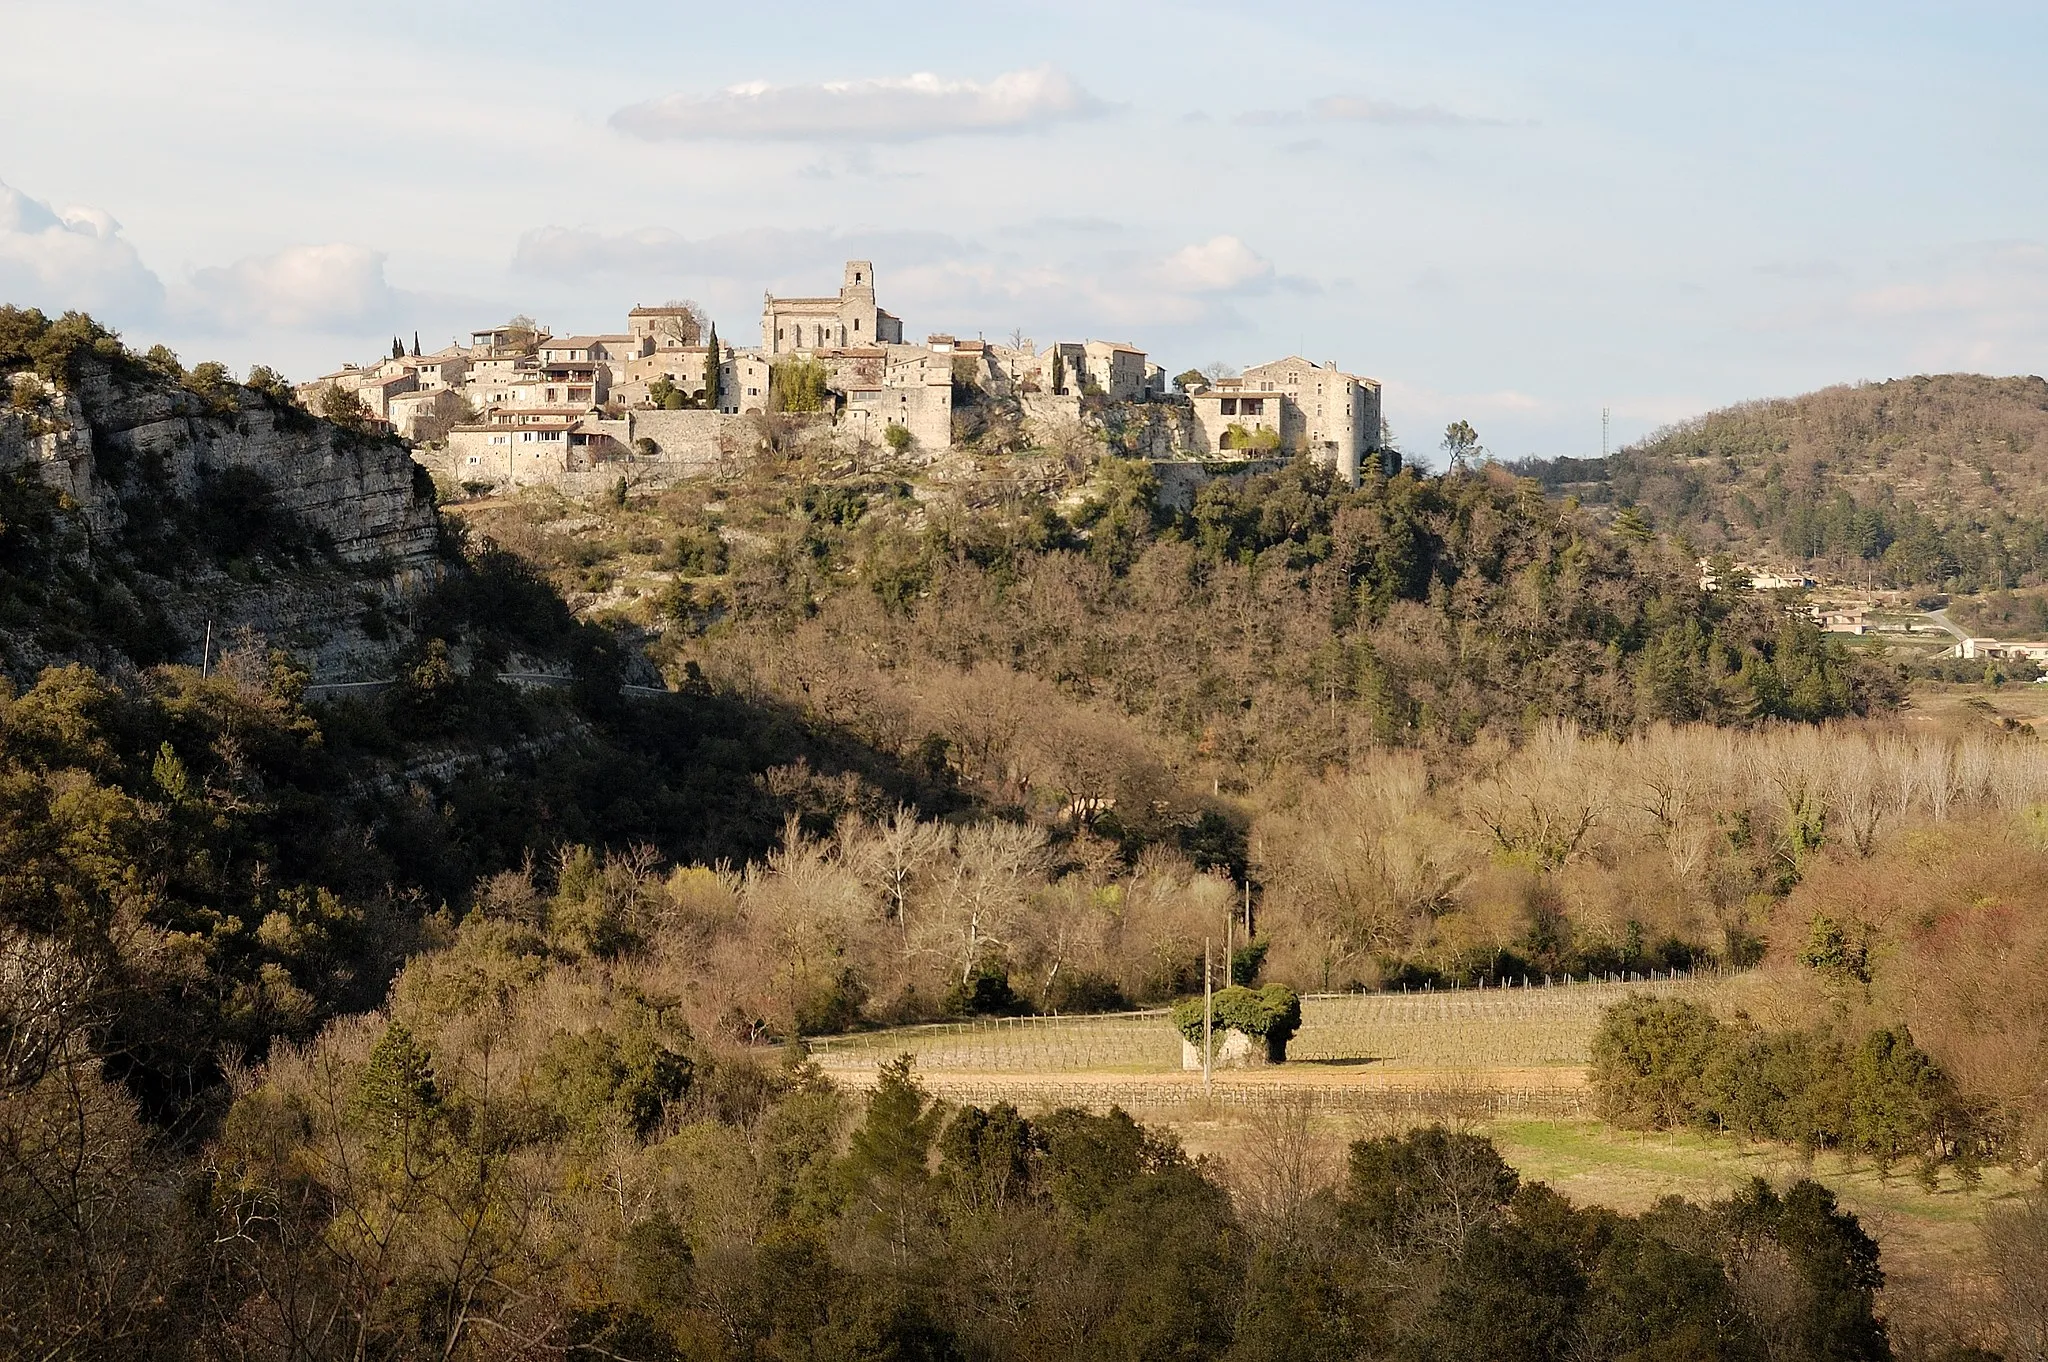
(408, 410)
(670, 326)
(789, 325)
(1240, 415)
(1318, 410)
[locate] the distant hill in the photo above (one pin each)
(1938, 480)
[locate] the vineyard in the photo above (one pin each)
(1446, 1030)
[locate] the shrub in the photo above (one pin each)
(214, 385)
(344, 408)
(1662, 1064)
(266, 380)
(897, 437)
(986, 994)
(1271, 1014)
(1235, 436)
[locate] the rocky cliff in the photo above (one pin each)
(227, 511)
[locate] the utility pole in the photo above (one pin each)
(1603, 431)
(1208, 1014)
(206, 652)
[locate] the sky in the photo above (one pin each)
(1511, 214)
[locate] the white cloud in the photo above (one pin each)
(1222, 264)
(73, 258)
(332, 287)
(883, 109)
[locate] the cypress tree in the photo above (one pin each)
(711, 368)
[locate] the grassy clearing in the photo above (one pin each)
(1933, 1256)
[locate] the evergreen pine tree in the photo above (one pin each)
(397, 1088)
(397, 348)
(415, 345)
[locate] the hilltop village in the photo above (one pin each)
(666, 396)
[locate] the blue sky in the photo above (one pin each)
(1511, 214)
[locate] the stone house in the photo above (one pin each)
(446, 369)
(1326, 413)
(408, 410)
(666, 327)
(504, 342)
(519, 454)
(681, 365)
(1239, 405)
(1317, 410)
(1095, 368)
(743, 385)
(376, 392)
(1114, 369)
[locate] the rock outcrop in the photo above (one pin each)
(358, 516)
(360, 493)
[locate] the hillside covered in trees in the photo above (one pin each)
(464, 1017)
(1933, 481)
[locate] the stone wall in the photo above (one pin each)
(1181, 479)
(696, 443)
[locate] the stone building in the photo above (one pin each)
(1314, 409)
(1237, 414)
(545, 404)
(853, 318)
(408, 411)
(669, 326)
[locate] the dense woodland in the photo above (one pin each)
(466, 1020)
(1934, 482)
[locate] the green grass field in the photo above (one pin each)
(1931, 1251)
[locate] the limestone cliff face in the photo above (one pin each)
(120, 451)
(360, 493)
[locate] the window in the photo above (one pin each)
(1252, 406)
(1229, 406)
(856, 324)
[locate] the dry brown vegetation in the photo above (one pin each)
(1879, 877)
